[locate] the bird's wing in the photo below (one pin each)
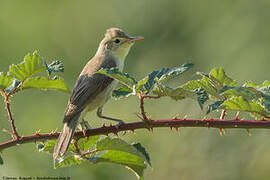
(86, 89)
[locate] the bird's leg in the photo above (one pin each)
(99, 114)
(84, 126)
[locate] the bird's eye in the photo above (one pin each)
(117, 41)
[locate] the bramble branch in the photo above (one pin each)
(10, 118)
(171, 123)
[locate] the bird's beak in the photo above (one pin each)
(137, 38)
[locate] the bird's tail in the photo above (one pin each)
(65, 137)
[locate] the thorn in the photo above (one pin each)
(37, 132)
(124, 133)
(223, 113)
(150, 129)
(84, 132)
(220, 131)
(204, 118)
(211, 119)
(185, 117)
(236, 116)
(111, 125)
(177, 128)
(175, 117)
(55, 131)
(133, 130)
(249, 134)
(104, 125)
(171, 127)
(115, 133)
(138, 115)
(223, 131)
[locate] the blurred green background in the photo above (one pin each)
(232, 34)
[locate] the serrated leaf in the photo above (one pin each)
(123, 78)
(45, 83)
(48, 146)
(88, 143)
(266, 104)
(117, 145)
(220, 75)
(118, 151)
(149, 82)
(1, 160)
(141, 149)
(131, 161)
(202, 83)
(246, 92)
(67, 161)
(122, 93)
(255, 85)
(169, 73)
(241, 104)
(265, 90)
(28, 68)
(214, 106)
(202, 96)
(55, 66)
(174, 93)
(5, 81)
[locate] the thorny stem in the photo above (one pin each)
(144, 117)
(10, 118)
(171, 123)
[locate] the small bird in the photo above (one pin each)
(92, 90)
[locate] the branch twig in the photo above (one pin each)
(171, 123)
(10, 118)
(144, 117)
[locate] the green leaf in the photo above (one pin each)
(141, 149)
(131, 161)
(202, 83)
(117, 145)
(55, 66)
(5, 81)
(241, 104)
(68, 161)
(246, 92)
(174, 93)
(266, 104)
(180, 93)
(48, 146)
(45, 83)
(218, 74)
(123, 78)
(214, 106)
(202, 96)
(1, 160)
(254, 85)
(120, 152)
(149, 82)
(28, 68)
(122, 93)
(88, 143)
(169, 73)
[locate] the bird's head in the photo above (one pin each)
(117, 43)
